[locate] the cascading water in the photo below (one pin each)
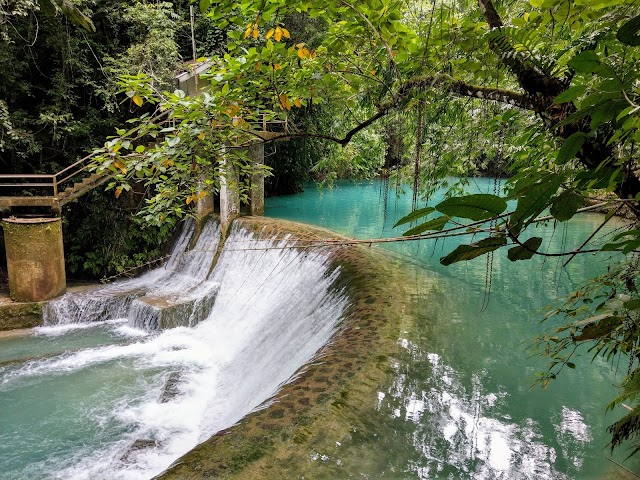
(130, 408)
(176, 294)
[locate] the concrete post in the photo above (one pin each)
(35, 258)
(229, 193)
(205, 204)
(256, 155)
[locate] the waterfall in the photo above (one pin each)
(243, 330)
(173, 295)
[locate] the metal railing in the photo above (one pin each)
(14, 185)
(51, 185)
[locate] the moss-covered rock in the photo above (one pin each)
(15, 316)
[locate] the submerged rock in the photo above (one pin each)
(136, 447)
(171, 387)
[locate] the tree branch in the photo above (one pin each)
(530, 78)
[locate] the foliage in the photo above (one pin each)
(58, 86)
(546, 91)
(103, 239)
(564, 121)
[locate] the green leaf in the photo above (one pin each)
(533, 200)
(606, 112)
(632, 304)
(474, 207)
(225, 88)
(469, 252)
(628, 33)
(588, 61)
(566, 205)
(570, 94)
(526, 250)
(571, 147)
(415, 215)
(435, 224)
(204, 5)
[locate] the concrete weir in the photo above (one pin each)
(35, 258)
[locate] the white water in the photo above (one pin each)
(272, 311)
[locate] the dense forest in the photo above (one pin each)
(418, 92)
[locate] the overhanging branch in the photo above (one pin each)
(422, 83)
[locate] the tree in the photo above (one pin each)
(562, 77)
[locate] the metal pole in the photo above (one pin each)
(193, 47)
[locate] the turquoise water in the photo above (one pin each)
(460, 405)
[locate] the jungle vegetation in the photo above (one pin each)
(545, 92)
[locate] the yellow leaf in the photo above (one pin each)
(286, 33)
(203, 194)
(393, 54)
(278, 35)
(277, 67)
(299, 45)
(300, 53)
(270, 33)
(118, 191)
(305, 52)
(247, 32)
(284, 101)
(189, 199)
(201, 136)
(121, 166)
(297, 102)
(258, 66)
(137, 100)
(256, 33)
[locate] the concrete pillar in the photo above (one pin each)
(229, 193)
(35, 258)
(256, 196)
(205, 204)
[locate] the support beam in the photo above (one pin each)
(35, 258)
(229, 193)
(205, 204)
(256, 198)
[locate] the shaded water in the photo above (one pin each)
(460, 403)
(104, 393)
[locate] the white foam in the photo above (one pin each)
(273, 312)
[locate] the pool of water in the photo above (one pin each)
(102, 393)
(460, 404)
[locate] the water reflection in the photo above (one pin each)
(460, 404)
(455, 433)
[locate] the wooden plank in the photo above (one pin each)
(8, 202)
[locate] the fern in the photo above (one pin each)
(524, 45)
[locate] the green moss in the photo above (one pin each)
(15, 316)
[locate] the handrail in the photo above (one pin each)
(24, 181)
(26, 175)
(91, 155)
